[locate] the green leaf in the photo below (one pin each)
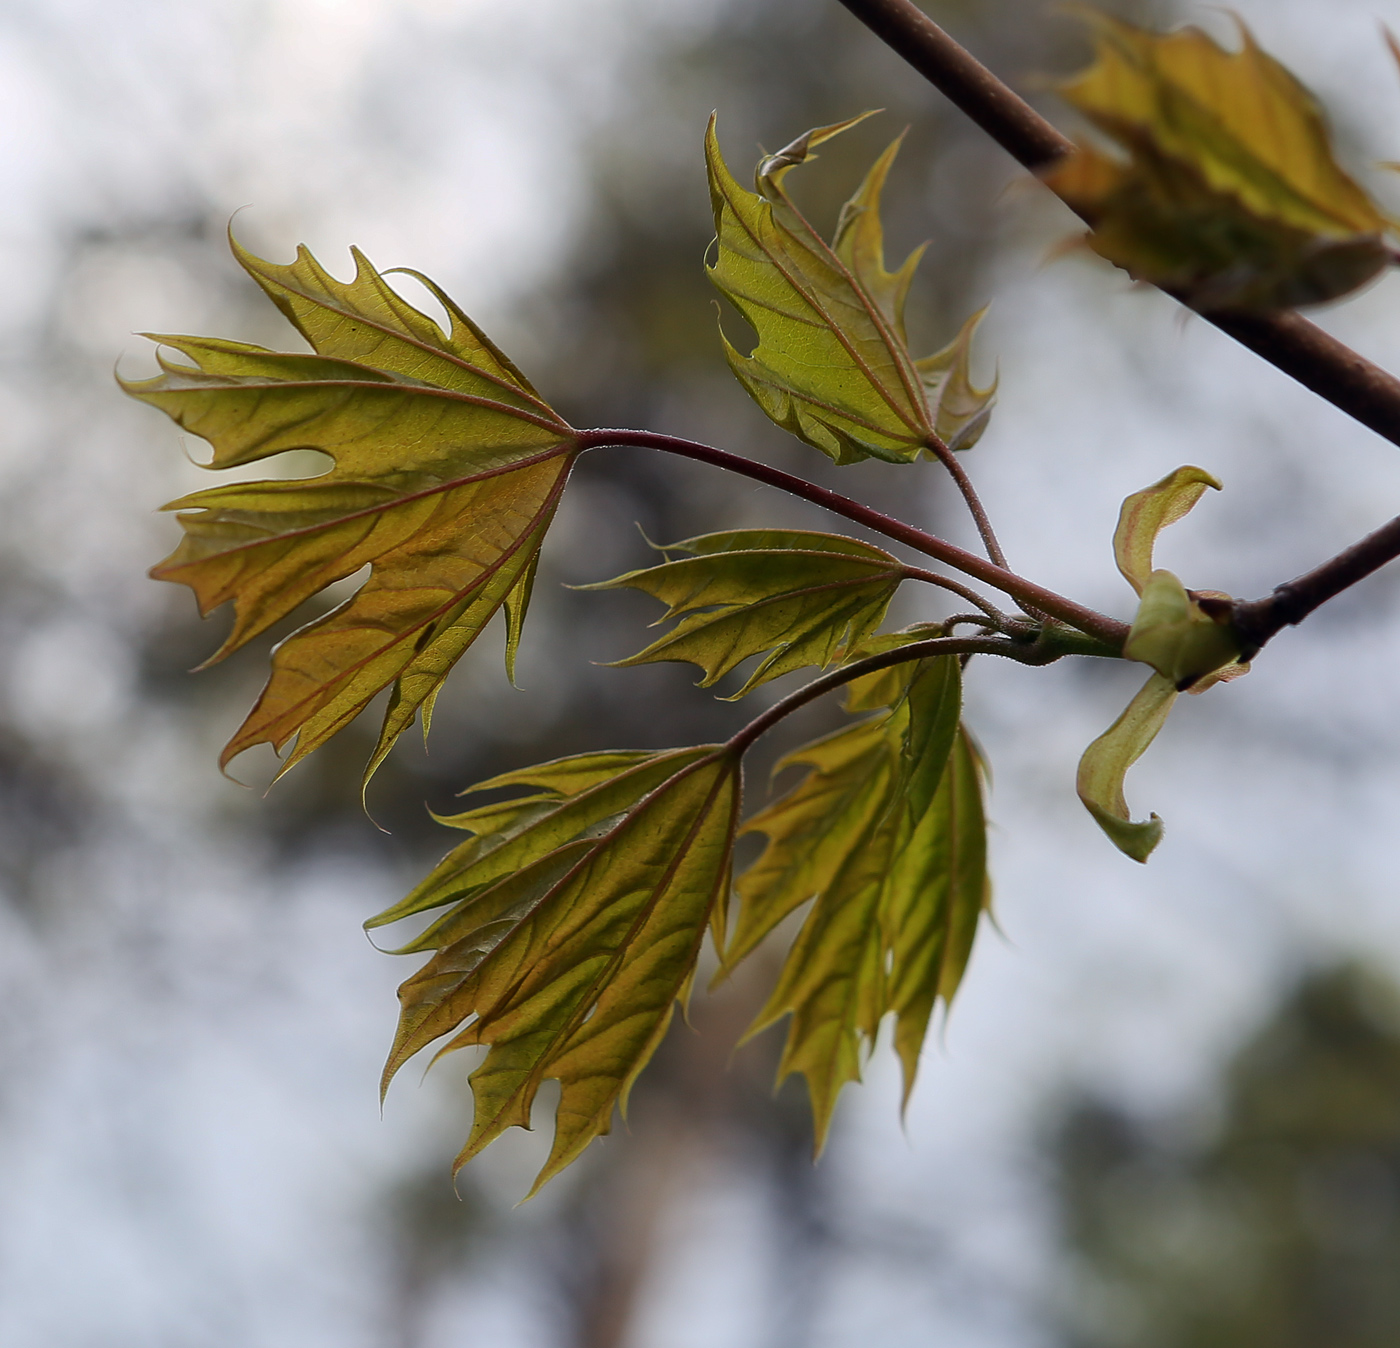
(1229, 194)
(803, 598)
(1106, 761)
(832, 364)
(886, 837)
(1174, 635)
(447, 471)
(578, 917)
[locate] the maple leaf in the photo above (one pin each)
(578, 914)
(886, 837)
(802, 597)
(1229, 195)
(832, 365)
(447, 470)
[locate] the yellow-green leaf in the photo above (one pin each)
(577, 922)
(886, 836)
(1226, 192)
(832, 364)
(1172, 632)
(803, 598)
(447, 471)
(1146, 513)
(1106, 761)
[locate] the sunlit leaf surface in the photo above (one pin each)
(577, 915)
(832, 364)
(447, 470)
(799, 598)
(886, 838)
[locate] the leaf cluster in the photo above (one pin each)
(567, 927)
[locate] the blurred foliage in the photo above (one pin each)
(1282, 1230)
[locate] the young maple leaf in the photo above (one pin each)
(832, 365)
(448, 467)
(886, 837)
(1227, 193)
(577, 916)
(799, 598)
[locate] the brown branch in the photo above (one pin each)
(1286, 340)
(976, 509)
(1257, 620)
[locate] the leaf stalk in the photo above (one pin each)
(976, 509)
(1106, 630)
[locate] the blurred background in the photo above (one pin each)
(1165, 1110)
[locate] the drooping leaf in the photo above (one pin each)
(801, 597)
(886, 837)
(447, 470)
(1226, 192)
(832, 364)
(1107, 760)
(1172, 632)
(1186, 643)
(578, 914)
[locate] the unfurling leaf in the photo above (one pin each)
(832, 364)
(1186, 644)
(1177, 637)
(1172, 632)
(802, 597)
(886, 835)
(578, 913)
(1146, 513)
(1107, 760)
(1227, 193)
(447, 470)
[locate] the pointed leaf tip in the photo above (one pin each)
(1106, 762)
(1146, 513)
(886, 838)
(797, 598)
(573, 921)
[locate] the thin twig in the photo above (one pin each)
(1011, 629)
(962, 591)
(1257, 620)
(1026, 592)
(1026, 653)
(1286, 340)
(975, 507)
